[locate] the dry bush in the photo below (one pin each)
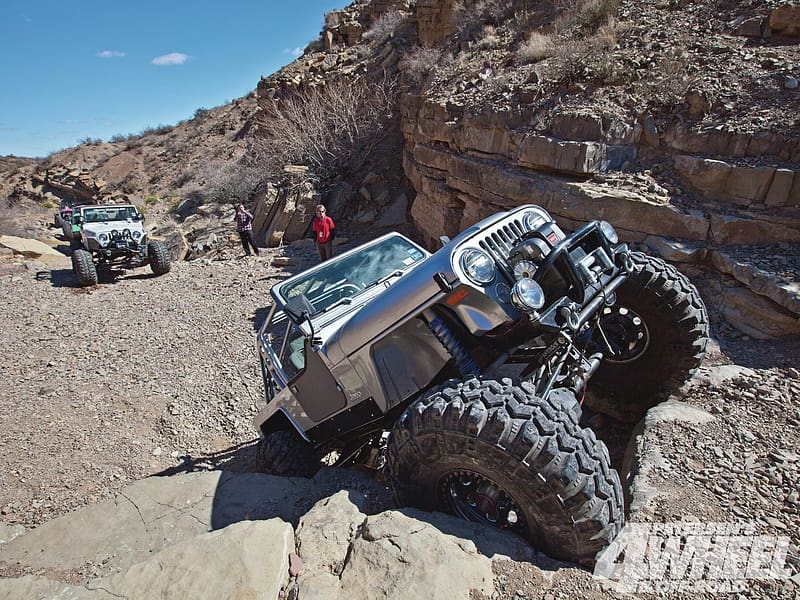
(384, 26)
(585, 58)
(330, 129)
(584, 15)
(671, 83)
(417, 64)
(537, 47)
(233, 182)
(469, 17)
(489, 38)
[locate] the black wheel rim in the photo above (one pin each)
(622, 335)
(479, 499)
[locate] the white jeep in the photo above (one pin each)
(113, 236)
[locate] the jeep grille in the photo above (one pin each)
(499, 240)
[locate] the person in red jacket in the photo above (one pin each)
(324, 232)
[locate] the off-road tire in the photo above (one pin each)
(159, 257)
(677, 324)
(286, 454)
(555, 473)
(84, 267)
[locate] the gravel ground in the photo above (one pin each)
(132, 377)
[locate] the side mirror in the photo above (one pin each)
(139, 217)
(300, 310)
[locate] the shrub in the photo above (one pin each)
(384, 26)
(416, 65)
(469, 17)
(327, 128)
(537, 47)
(489, 38)
(150, 199)
(235, 182)
(585, 15)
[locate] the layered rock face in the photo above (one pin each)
(731, 189)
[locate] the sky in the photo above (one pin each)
(77, 69)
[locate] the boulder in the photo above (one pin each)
(347, 554)
(552, 154)
(676, 251)
(782, 292)
(785, 20)
(721, 181)
(32, 249)
(646, 468)
(208, 535)
(757, 316)
(730, 229)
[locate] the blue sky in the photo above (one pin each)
(74, 69)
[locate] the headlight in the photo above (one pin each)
(609, 232)
(136, 235)
(478, 266)
(103, 239)
(527, 295)
(533, 220)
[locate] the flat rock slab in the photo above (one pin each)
(153, 514)
(248, 559)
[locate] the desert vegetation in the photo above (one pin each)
(330, 129)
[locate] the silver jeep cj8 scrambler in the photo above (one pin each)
(113, 236)
(389, 356)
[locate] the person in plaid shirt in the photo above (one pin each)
(244, 225)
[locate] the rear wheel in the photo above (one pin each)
(654, 337)
(494, 453)
(84, 268)
(159, 257)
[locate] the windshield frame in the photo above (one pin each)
(343, 278)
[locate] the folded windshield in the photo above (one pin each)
(343, 277)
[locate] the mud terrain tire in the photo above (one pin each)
(493, 452)
(286, 454)
(159, 257)
(676, 329)
(84, 268)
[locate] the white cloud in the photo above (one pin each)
(173, 58)
(293, 51)
(110, 54)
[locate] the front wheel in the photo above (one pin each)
(654, 337)
(84, 268)
(286, 454)
(159, 257)
(494, 453)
